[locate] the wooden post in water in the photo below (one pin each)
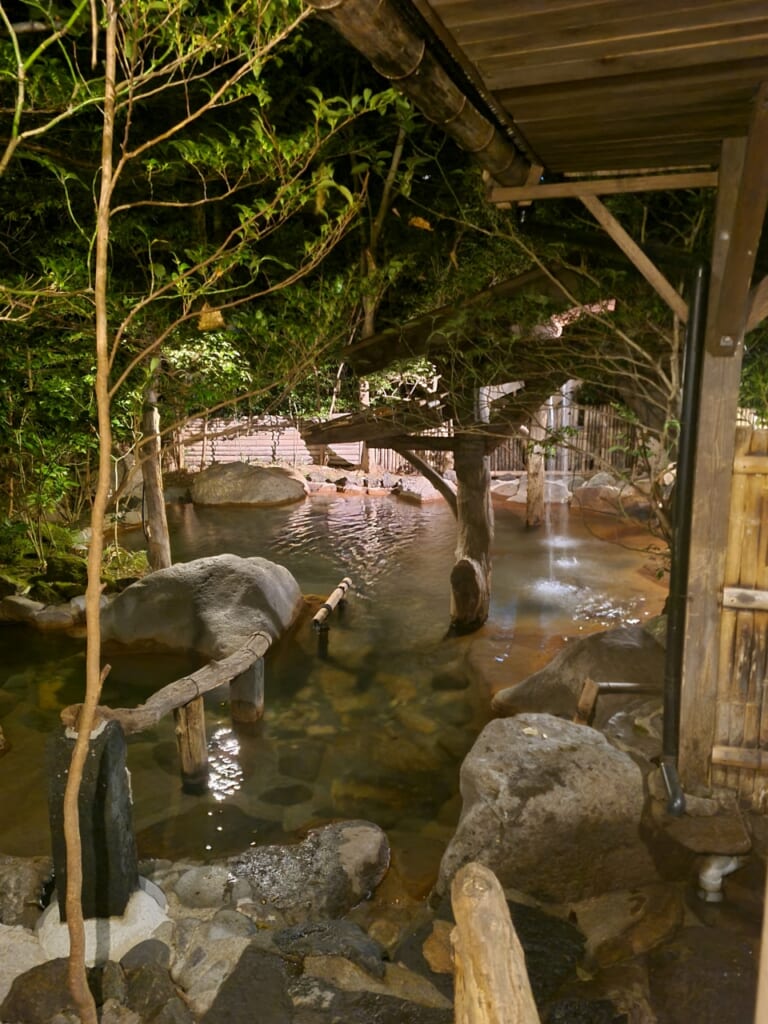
(193, 746)
(491, 980)
(246, 695)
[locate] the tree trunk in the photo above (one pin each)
(471, 574)
(534, 505)
(155, 521)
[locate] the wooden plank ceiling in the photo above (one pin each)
(590, 86)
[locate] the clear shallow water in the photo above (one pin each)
(378, 728)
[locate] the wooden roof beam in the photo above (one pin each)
(604, 186)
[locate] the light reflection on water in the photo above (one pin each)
(375, 730)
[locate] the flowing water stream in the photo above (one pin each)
(378, 728)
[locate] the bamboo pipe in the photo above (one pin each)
(334, 598)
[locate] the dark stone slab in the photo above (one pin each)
(584, 1011)
(110, 867)
(153, 996)
(552, 947)
(363, 1008)
(150, 951)
(333, 938)
(38, 995)
(257, 989)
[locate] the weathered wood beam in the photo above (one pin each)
(604, 186)
(440, 484)
(425, 334)
(378, 432)
(181, 691)
(632, 250)
(749, 214)
(711, 503)
(757, 305)
(377, 30)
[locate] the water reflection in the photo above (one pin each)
(378, 730)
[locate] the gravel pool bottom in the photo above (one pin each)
(378, 728)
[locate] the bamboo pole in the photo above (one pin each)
(491, 980)
(333, 599)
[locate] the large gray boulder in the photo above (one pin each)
(552, 809)
(627, 654)
(237, 483)
(211, 605)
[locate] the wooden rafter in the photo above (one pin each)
(630, 248)
(605, 186)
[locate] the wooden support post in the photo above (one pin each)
(534, 468)
(246, 695)
(471, 573)
(491, 980)
(728, 293)
(193, 746)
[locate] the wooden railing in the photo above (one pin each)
(243, 670)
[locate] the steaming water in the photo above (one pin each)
(376, 730)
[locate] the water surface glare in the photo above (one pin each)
(377, 729)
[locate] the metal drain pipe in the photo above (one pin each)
(681, 538)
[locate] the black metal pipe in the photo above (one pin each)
(681, 536)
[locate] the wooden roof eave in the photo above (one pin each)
(377, 30)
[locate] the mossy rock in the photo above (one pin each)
(8, 586)
(41, 590)
(68, 590)
(66, 569)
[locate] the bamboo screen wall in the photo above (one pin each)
(740, 754)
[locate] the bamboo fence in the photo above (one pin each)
(740, 753)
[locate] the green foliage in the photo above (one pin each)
(754, 377)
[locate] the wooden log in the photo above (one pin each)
(333, 599)
(739, 757)
(193, 745)
(745, 599)
(181, 691)
(491, 980)
(246, 695)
